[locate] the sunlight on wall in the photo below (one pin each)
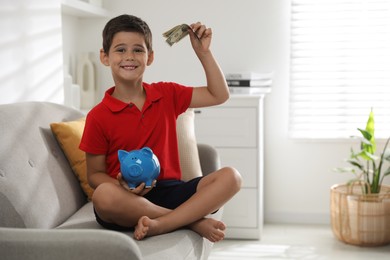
(31, 51)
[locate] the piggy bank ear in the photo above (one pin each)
(147, 151)
(122, 154)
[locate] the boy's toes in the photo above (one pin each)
(217, 236)
(220, 225)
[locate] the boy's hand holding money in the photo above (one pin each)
(200, 37)
(199, 34)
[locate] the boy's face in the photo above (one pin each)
(128, 57)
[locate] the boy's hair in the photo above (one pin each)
(126, 23)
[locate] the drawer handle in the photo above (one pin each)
(198, 111)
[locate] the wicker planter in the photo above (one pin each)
(359, 219)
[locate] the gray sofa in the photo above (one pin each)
(44, 213)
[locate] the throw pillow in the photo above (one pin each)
(188, 148)
(69, 135)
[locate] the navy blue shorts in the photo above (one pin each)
(168, 194)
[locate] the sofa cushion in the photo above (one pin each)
(178, 245)
(69, 135)
(83, 218)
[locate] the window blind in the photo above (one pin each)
(340, 67)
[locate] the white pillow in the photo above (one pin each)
(188, 148)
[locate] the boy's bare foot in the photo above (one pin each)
(142, 228)
(210, 228)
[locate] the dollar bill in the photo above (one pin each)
(177, 33)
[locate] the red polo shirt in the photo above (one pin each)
(112, 125)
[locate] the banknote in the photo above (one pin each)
(177, 33)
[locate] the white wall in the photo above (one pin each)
(30, 51)
(250, 35)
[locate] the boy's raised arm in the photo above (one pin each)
(216, 92)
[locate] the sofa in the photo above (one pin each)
(46, 213)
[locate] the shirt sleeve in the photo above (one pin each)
(182, 97)
(93, 140)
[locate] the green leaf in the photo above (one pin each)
(356, 164)
(386, 154)
(387, 172)
(367, 135)
(345, 169)
(370, 123)
(367, 156)
(366, 141)
(371, 129)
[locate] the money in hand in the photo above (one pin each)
(176, 33)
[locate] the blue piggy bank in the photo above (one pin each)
(139, 166)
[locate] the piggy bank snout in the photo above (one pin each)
(135, 170)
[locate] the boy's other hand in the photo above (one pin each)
(140, 190)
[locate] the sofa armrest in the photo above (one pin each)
(209, 159)
(18, 243)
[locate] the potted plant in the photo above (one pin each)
(360, 209)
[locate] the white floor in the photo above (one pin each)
(295, 242)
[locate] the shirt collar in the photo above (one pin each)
(116, 105)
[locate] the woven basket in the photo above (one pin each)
(359, 219)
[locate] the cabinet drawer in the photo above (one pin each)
(226, 126)
(242, 210)
(245, 160)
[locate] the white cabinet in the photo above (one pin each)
(235, 129)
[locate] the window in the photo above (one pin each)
(340, 67)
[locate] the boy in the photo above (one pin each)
(134, 114)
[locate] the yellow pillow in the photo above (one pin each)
(68, 135)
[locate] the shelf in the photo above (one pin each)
(250, 90)
(82, 9)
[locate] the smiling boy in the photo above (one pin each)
(134, 114)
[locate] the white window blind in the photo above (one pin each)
(340, 67)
